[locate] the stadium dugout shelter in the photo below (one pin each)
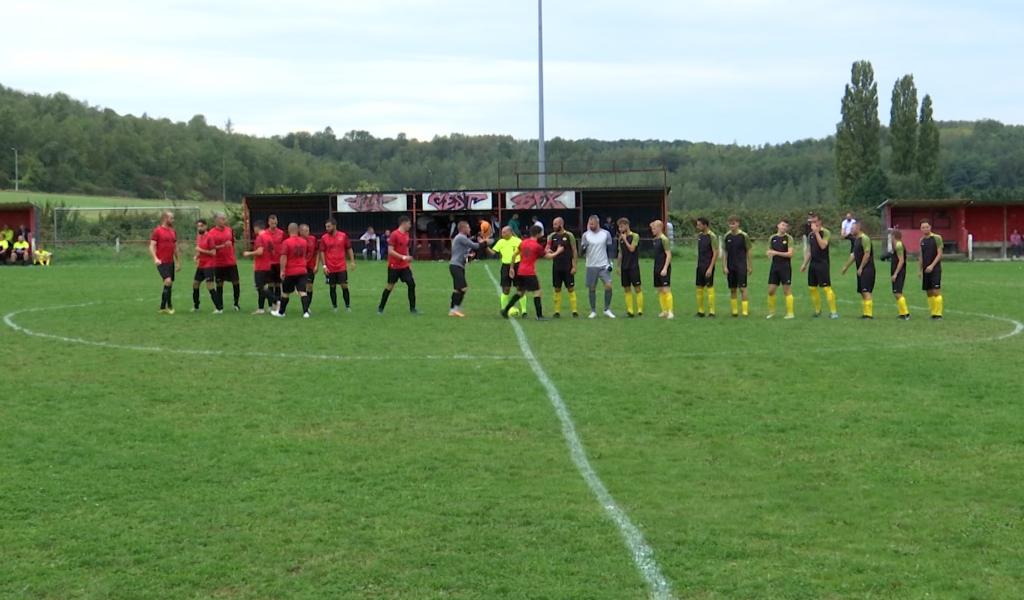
(974, 228)
(21, 215)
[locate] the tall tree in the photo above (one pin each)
(903, 125)
(928, 150)
(858, 139)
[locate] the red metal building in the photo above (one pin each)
(988, 223)
(18, 215)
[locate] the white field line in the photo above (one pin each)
(9, 321)
(643, 555)
(1018, 327)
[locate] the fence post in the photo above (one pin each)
(117, 244)
(970, 246)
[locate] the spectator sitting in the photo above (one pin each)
(42, 257)
(21, 252)
(1016, 245)
(6, 233)
(4, 248)
(370, 244)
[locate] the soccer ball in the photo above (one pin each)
(513, 312)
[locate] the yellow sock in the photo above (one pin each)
(745, 307)
(901, 306)
(640, 303)
(629, 302)
(661, 302)
(711, 300)
(734, 306)
(669, 301)
(522, 305)
(871, 307)
(831, 297)
(931, 305)
(504, 301)
(700, 300)
(771, 305)
(816, 299)
(558, 301)
(938, 305)
(867, 308)
(572, 301)
(789, 305)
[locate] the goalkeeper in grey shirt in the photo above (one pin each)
(461, 247)
(596, 246)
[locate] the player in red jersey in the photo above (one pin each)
(277, 235)
(399, 261)
(293, 267)
(530, 251)
(262, 254)
(225, 262)
(312, 258)
(204, 266)
(335, 247)
(163, 247)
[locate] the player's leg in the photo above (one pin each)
(744, 300)
(638, 293)
(592, 276)
(392, 279)
(236, 285)
(607, 278)
(772, 287)
(304, 297)
(570, 287)
(197, 281)
(410, 284)
(538, 306)
(520, 292)
(557, 279)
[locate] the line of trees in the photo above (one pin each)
(69, 146)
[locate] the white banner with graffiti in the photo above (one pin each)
(458, 201)
(372, 202)
(540, 200)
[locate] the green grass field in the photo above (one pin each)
(358, 456)
(80, 201)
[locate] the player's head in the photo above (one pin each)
(623, 224)
(535, 231)
(897, 235)
(783, 227)
(258, 225)
(21, 237)
(330, 225)
(558, 224)
(506, 232)
(220, 219)
(272, 221)
(304, 230)
(593, 223)
(404, 223)
(849, 215)
(855, 228)
(369, 229)
(293, 229)
(813, 218)
(200, 225)
(703, 224)
(734, 223)
(926, 226)
(167, 218)
(463, 227)
(657, 227)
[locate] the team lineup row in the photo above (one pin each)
(286, 263)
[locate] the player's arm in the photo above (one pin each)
(316, 261)
(351, 258)
(864, 261)
(575, 252)
(938, 254)
(750, 257)
(807, 256)
(152, 251)
(667, 247)
(789, 248)
(283, 262)
(901, 263)
(846, 265)
(822, 239)
(725, 257)
(631, 246)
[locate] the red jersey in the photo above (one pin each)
(295, 249)
(530, 250)
(277, 235)
(335, 246)
(262, 262)
(399, 242)
(166, 241)
(311, 248)
(205, 260)
(226, 254)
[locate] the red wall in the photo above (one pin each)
(949, 222)
(15, 217)
(985, 223)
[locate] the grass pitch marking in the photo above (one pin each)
(643, 555)
(9, 321)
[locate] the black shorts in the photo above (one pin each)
(630, 277)
(275, 274)
(227, 274)
(528, 283)
(819, 275)
(339, 278)
(737, 277)
(310, 276)
(661, 282)
(506, 280)
(866, 281)
(563, 278)
(204, 274)
(780, 274)
(901, 279)
(702, 279)
(166, 270)
(294, 283)
(458, 277)
(262, 279)
(403, 275)
(931, 281)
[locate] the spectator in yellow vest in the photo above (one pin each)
(21, 252)
(42, 257)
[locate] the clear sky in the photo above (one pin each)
(750, 71)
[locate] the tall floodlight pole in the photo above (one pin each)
(15, 168)
(541, 178)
